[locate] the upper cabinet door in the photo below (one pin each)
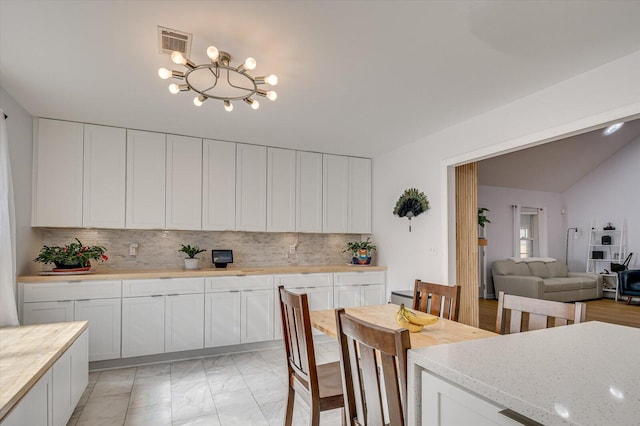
(281, 190)
(57, 174)
(359, 196)
(335, 193)
(251, 188)
(218, 185)
(308, 192)
(105, 166)
(184, 183)
(146, 156)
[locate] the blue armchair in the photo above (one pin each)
(629, 283)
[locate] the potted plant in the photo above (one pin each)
(360, 251)
(190, 262)
(73, 257)
(482, 221)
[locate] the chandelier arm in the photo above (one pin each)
(216, 75)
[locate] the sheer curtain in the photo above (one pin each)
(8, 312)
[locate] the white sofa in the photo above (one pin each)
(544, 278)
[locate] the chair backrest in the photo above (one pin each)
(373, 361)
(541, 313)
(298, 341)
(436, 299)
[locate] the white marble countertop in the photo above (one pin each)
(582, 374)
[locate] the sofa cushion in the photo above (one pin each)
(509, 267)
(557, 269)
(540, 269)
(562, 284)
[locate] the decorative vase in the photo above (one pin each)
(61, 267)
(361, 257)
(191, 263)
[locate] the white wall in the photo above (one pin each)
(590, 99)
(500, 231)
(609, 193)
(20, 133)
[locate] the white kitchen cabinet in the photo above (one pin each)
(57, 173)
(218, 185)
(146, 156)
(70, 376)
(34, 409)
(335, 193)
(445, 404)
(359, 206)
(308, 192)
(184, 322)
(162, 315)
(142, 326)
(105, 166)
(359, 289)
(184, 183)
(95, 301)
(79, 368)
(251, 188)
(104, 316)
(222, 318)
(281, 190)
(251, 297)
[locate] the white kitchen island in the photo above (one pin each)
(582, 374)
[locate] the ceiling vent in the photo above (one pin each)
(173, 40)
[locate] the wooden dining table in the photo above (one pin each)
(443, 331)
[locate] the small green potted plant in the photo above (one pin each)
(73, 257)
(482, 221)
(360, 251)
(190, 262)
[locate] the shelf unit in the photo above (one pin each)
(613, 252)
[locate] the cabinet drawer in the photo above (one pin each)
(359, 278)
(52, 292)
(304, 280)
(162, 286)
(241, 282)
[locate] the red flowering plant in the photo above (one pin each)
(73, 255)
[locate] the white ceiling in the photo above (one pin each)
(556, 166)
(356, 77)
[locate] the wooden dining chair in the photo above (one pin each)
(541, 313)
(373, 362)
(320, 386)
(437, 299)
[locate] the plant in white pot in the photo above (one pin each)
(191, 262)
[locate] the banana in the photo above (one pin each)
(405, 323)
(419, 318)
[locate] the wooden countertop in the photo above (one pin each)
(204, 272)
(444, 331)
(27, 352)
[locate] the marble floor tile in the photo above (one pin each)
(190, 371)
(156, 415)
(152, 390)
(153, 370)
(226, 383)
(93, 377)
(114, 382)
(221, 364)
(266, 387)
(104, 411)
(250, 363)
(191, 399)
(239, 408)
(211, 420)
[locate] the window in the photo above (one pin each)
(529, 238)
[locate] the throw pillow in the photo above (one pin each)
(539, 269)
(558, 269)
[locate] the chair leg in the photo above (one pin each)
(288, 417)
(344, 416)
(628, 300)
(314, 414)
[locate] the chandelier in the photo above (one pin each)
(219, 80)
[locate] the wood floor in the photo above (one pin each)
(605, 310)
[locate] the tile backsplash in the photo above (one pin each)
(159, 249)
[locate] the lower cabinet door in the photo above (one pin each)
(184, 322)
(79, 367)
(34, 409)
(47, 312)
(142, 326)
(346, 296)
(222, 319)
(372, 294)
(257, 315)
(61, 393)
(104, 326)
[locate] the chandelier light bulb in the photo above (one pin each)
(199, 100)
(255, 104)
(228, 106)
(213, 53)
(164, 73)
(272, 95)
(178, 58)
(272, 80)
(250, 63)
(174, 88)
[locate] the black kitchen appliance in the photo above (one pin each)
(221, 258)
